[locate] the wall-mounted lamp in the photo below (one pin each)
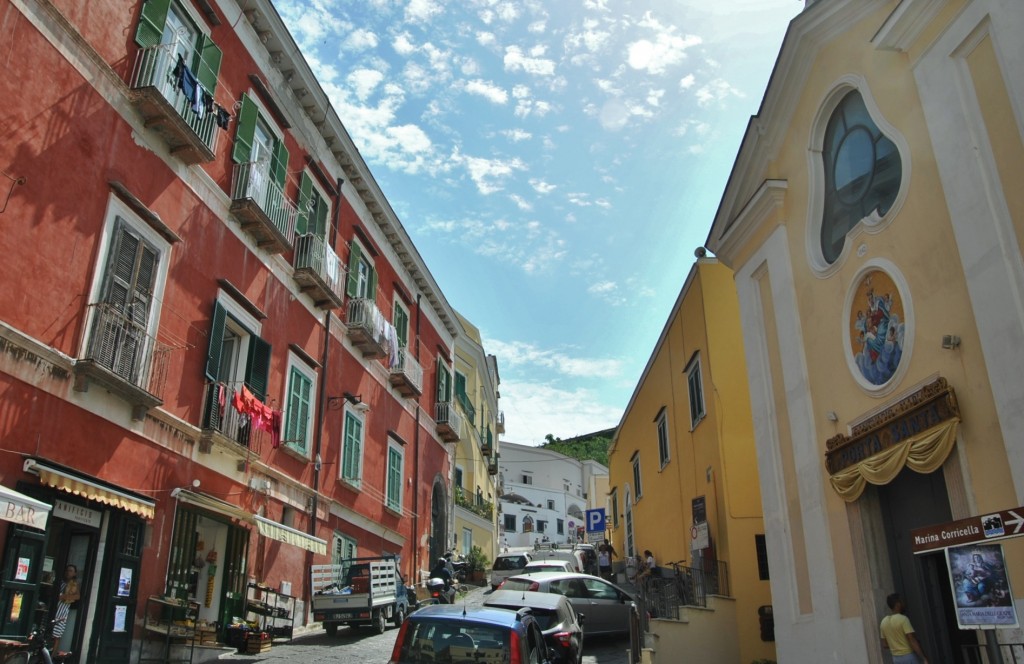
(950, 341)
(355, 399)
(831, 416)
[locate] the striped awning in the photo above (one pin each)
(76, 485)
(283, 533)
(19, 508)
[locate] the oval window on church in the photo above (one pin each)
(862, 173)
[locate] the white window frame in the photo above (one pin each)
(359, 417)
(467, 541)
(242, 323)
(393, 446)
(117, 208)
(322, 193)
(637, 479)
(693, 374)
(346, 542)
(397, 304)
(527, 479)
(362, 285)
(295, 362)
(664, 449)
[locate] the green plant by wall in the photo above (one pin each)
(477, 561)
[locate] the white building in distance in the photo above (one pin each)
(545, 494)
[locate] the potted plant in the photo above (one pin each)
(477, 564)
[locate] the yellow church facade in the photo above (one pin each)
(874, 221)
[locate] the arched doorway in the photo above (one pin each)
(438, 521)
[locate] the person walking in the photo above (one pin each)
(604, 560)
(898, 634)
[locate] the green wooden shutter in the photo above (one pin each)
(353, 448)
(371, 285)
(444, 384)
(323, 208)
(394, 479)
(246, 131)
(257, 367)
(305, 193)
(460, 386)
(401, 323)
(207, 63)
(151, 22)
(279, 163)
(300, 389)
(216, 342)
(354, 257)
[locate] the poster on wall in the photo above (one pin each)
(124, 582)
(120, 616)
(981, 587)
(21, 572)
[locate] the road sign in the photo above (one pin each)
(986, 528)
(595, 520)
(699, 537)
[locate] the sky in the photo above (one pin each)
(556, 164)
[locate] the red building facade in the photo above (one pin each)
(222, 359)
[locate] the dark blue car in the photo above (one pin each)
(452, 634)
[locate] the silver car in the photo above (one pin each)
(607, 607)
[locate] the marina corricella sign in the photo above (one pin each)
(987, 528)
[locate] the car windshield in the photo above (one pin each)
(515, 562)
(453, 642)
(517, 584)
(546, 618)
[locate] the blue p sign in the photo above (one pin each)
(595, 520)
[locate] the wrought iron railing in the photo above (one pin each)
(445, 413)
(312, 252)
(685, 586)
(477, 505)
(467, 406)
(220, 415)
(408, 366)
(362, 313)
(253, 181)
(124, 346)
(154, 68)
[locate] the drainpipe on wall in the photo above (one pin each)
(416, 467)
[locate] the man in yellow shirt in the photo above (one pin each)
(898, 634)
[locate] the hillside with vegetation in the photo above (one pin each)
(591, 446)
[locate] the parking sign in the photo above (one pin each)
(595, 520)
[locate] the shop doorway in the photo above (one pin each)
(72, 544)
(911, 501)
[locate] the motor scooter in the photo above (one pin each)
(441, 591)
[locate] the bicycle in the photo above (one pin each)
(35, 650)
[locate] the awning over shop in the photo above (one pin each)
(923, 453)
(212, 504)
(19, 508)
(267, 528)
(288, 535)
(64, 480)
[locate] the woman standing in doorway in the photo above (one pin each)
(70, 593)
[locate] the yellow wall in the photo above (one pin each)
(715, 459)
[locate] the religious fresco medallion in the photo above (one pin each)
(877, 327)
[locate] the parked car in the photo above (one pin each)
(607, 607)
(562, 625)
(548, 565)
(449, 633)
(588, 553)
(555, 552)
(506, 565)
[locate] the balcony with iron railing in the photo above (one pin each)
(449, 422)
(487, 441)
(467, 406)
(261, 208)
(664, 595)
(222, 424)
(368, 329)
(476, 504)
(407, 374)
(492, 466)
(156, 93)
(318, 271)
(500, 427)
(124, 358)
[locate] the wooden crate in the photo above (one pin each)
(257, 645)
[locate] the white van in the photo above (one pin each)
(506, 565)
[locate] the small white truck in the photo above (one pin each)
(359, 591)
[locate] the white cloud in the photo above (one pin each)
(516, 135)
(654, 97)
(507, 12)
(421, 11)
(361, 40)
(542, 187)
(487, 90)
(687, 82)
(537, 27)
(402, 43)
(519, 354)
(664, 50)
(515, 60)
(364, 81)
(717, 90)
(489, 174)
(535, 409)
(521, 202)
(486, 38)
